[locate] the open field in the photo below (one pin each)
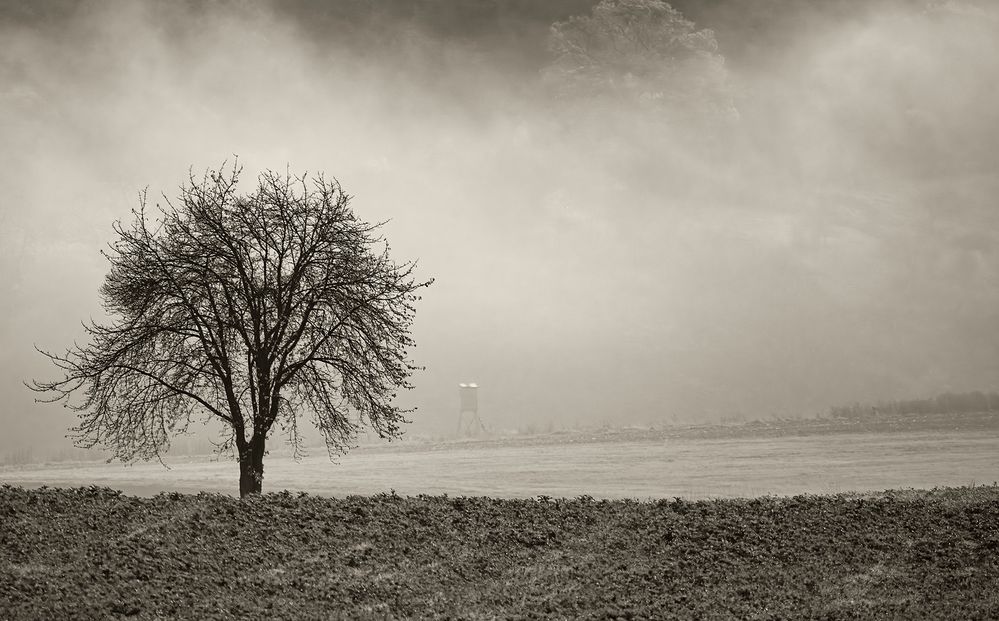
(504, 542)
(93, 553)
(608, 465)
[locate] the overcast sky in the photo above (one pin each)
(833, 239)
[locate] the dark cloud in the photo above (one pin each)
(595, 262)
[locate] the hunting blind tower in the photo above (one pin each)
(469, 423)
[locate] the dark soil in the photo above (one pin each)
(92, 553)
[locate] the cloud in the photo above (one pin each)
(594, 261)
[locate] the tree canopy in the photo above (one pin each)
(250, 309)
(643, 50)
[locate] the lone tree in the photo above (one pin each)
(249, 309)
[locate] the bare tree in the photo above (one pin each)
(250, 309)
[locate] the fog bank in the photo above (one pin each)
(831, 237)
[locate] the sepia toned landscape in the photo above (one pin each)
(499, 309)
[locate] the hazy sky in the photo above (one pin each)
(832, 239)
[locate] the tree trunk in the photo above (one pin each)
(251, 467)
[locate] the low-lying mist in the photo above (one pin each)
(830, 237)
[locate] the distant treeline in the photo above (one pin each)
(945, 403)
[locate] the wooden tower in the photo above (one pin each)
(469, 423)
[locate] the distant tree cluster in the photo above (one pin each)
(946, 403)
(643, 50)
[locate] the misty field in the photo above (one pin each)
(602, 465)
(92, 553)
(615, 524)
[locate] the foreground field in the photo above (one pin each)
(93, 553)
